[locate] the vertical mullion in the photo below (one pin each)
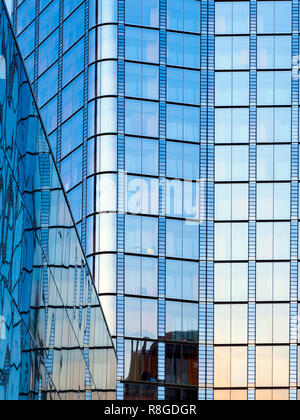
(252, 202)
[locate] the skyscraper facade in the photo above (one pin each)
(54, 340)
(175, 125)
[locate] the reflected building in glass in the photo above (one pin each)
(54, 340)
(175, 125)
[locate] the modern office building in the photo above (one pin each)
(54, 340)
(175, 125)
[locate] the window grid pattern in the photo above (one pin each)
(61, 85)
(46, 285)
(171, 117)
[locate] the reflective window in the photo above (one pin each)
(141, 235)
(272, 366)
(183, 123)
(184, 15)
(182, 199)
(140, 318)
(272, 282)
(141, 118)
(274, 16)
(274, 52)
(71, 169)
(183, 50)
(231, 367)
(232, 17)
(273, 163)
(181, 321)
(182, 239)
(232, 125)
(49, 20)
(48, 52)
(140, 392)
(48, 85)
(141, 195)
(232, 53)
(183, 86)
(142, 12)
(273, 88)
(102, 154)
(181, 364)
(26, 14)
(72, 98)
(273, 201)
(26, 40)
(107, 42)
(273, 241)
(182, 160)
(231, 201)
(182, 280)
(231, 163)
(141, 156)
(141, 81)
(231, 282)
(73, 62)
(141, 276)
(72, 132)
(70, 6)
(232, 88)
(73, 28)
(142, 45)
(231, 324)
(272, 323)
(140, 361)
(274, 125)
(231, 241)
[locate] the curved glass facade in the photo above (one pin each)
(175, 125)
(54, 341)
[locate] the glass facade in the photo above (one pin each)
(175, 125)
(54, 340)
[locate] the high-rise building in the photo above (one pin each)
(175, 125)
(54, 340)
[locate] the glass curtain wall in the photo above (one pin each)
(54, 340)
(175, 128)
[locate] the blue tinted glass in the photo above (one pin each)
(175, 49)
(73, 62)
(175, 14)
(49, 19)
(26, 14)
(133, 12)
(174, 279)
(191, 15)
(73, 28)
(191, 51)
(48, 52)
(71, 169)
(133, 154)
(151, 13)
(48, 84)
(26, 40)
(175, 85)
(72, 97)
(133, 48)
